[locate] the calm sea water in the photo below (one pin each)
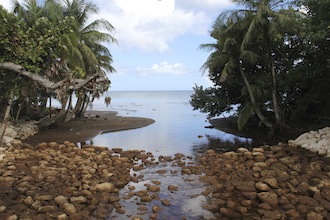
(178, 128)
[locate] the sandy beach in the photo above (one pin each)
(83, 129)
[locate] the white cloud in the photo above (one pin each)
(213, 5)
(163, 68)
(150, 25)
(7, 4)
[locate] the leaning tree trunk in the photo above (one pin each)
(77, 107)
(96, 82)
(277, 113)
(253, 100)
(50, 121)
(7, 114)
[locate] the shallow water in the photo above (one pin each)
(178, 128)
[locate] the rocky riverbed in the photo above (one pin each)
(61, 181)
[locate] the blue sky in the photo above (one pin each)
(158, 41)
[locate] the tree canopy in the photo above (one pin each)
(49, 51)
(270, 59)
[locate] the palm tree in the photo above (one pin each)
(91, 55)
(80, 51)
(228, 59)
(266, 23)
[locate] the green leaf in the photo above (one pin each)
(244, 116)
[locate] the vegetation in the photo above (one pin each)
(271, 60)
(49, 51)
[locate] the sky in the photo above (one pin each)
(158, 41)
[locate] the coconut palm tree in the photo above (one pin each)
(80, 50)
(228, 58)
(266, 22)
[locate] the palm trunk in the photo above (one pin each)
(253, 100)
(7, 114)
(274, 95)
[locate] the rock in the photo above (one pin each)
(161, 171)
(12, 217)
(44, 197)
(105, 187)
(156, 182)
(246, 187)
(230, 213)
(47, 209)
(78, 199)
(314, 216)
(62, 217)
(293, 214)
(165, 202)
(28, 200)
(262, 186)
(268, 197)
(156, 209)
(173, 188)
(272, 183)
(153, 188)
(2, 209)
(153, 216)
(68, 208)
(36, 205)
(60, 200)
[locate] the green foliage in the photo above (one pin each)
(53, 40)
(244, 115)
(276, 50)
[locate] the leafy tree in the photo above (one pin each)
(249, 44)
(57, 51)
(309, 92)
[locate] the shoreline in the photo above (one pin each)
(84, 129)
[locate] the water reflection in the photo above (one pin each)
(222, 145)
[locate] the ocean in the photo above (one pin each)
(178, 128)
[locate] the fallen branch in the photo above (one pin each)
(59, 87)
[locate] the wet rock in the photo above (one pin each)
(173, 188)
(165, 202)
(161, 171)
(230, 213)
(153, 188)
(156, 209)
(156, 182)
(153, 216)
